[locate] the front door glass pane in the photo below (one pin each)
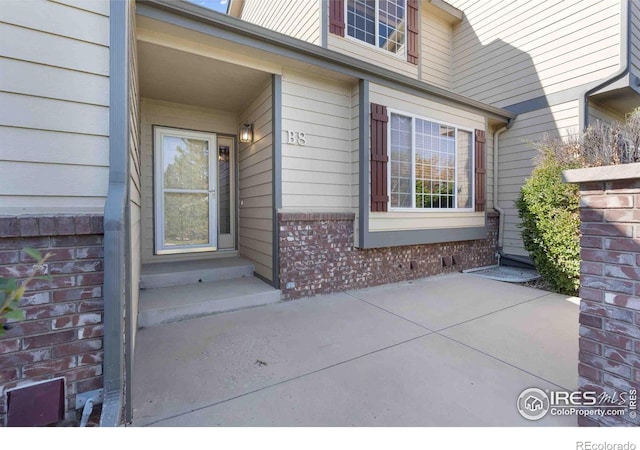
(186, 163)
(186, 219)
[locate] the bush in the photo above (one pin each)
(549, 210)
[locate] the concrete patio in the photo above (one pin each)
(453, 350)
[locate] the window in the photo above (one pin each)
(430, 164)
(380, 23)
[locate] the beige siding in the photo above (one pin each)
(154, 112)
(256, 184)
(441, 112)
(297, 18)
(635, 36)
(368, 53)
(508, 52)
(604, 114)
(135, 191)
(54, 120)
(355, 158)
(316, 176)
(436, 40)
(517, 159)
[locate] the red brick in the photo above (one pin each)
(58, 282)
(47, 340)
(592, 268)
(36, 298)
(606, 229)
(20, 243)
(89, 385)
(65, 225)
(90, 279)
(590, 242)
(589, 372)
(55, 254)
(605, 364)
(590, 346)
(622, 215)
(591, 215)
(22, 358)
(606, 337)
(607, 256)
(625, 301)
(584, 421)
(83, 224)
(9, 345)
(592, 188)
(591, 294)
(91, 332)
(28, 226)
(590, 321)
(9, 257)
(75, 267)
(27, 328)
(606, 201)
(607, 284)
(622, 244)
(47, 367)
(46, 225)
(76, 241)
(7, 375)
(9, 227)
(624, 272)
(623, 328)
(81, 373)
(76, 320)
(77, 294)
(623, 186)
(97, 224)
(20, 270)
(89, 252)
(90, 358)
(622, 356)
(91, 305)
(51, 310)
(77, 347)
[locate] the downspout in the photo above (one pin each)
(115, 215)
(625, 50)
(496, 196)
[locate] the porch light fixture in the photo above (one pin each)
(246, 133)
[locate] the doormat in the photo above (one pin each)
(505, 273)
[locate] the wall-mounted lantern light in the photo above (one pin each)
(246, 133)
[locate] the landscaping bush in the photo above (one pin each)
(549, 209)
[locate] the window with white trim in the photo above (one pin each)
(430, 164)
(378, 22)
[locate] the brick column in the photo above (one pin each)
(62, 333)
(609, 358)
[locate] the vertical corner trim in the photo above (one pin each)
(276, 99)
(363, 175)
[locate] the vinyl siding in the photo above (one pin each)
(436, 37)
(604, 114)
(442, 112)
(316, 176)
(297, 18)
(155, 112)
(508, 52)
(255, 184)
(54, 120)
(135, 192)
(517, 160)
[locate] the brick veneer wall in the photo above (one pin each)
(62, 333)
(610, 290)
(317, 256)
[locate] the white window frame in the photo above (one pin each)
(401, 56)
(413, 208)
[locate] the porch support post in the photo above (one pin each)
(276, 98)
(115, 215)
(363, 188)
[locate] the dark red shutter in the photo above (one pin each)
(379, 158)
(481, 171)
(413, 43)
(336, 17)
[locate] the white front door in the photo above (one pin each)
(185, 191)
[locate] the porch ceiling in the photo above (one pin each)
(181, 77)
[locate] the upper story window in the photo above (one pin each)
(430, 164)
(378, 22)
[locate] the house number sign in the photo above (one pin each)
(296, 138)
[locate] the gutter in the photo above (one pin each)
(115, 216)
(223, 26)
(496, 205)
(625, 57)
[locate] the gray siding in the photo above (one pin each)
(54, 92)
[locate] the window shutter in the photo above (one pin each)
(481, 172)
(413, 43)
(379, 158)
(336, 17)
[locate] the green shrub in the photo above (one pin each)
(549, 209)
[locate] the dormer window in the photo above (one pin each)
(378, 22)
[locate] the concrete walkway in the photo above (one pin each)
(453, 350)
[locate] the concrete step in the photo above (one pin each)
(177, 303)
(192, 272)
